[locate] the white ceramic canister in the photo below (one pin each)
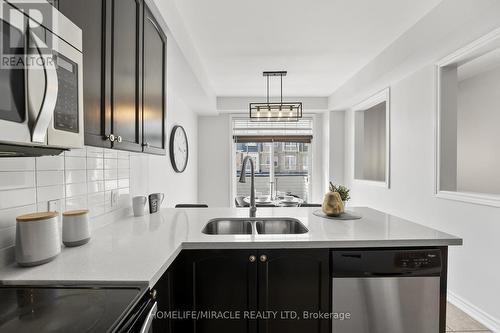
(75, 227)
(37, 238)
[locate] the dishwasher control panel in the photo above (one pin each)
(386, 262)
(417, 259)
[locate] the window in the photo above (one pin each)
(290, 146)
(284, 156)
(371, 140)
(468, 162)
(290, 163)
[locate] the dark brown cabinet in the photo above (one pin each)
(153, 85)
(89, 15)
(124, 74)
(250, 283)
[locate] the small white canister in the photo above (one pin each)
(37, 238)
(76, 229)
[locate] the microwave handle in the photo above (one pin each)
(42, 122)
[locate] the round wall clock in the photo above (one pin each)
(179, 150)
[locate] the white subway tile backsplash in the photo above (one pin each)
(122, 183)
(110, 184)
(46, 193)
(75, 176)
(123, 164)
(96, 199)
(46, 178)
(110, 163)
(73, 190)
(8, 216)
(50, 163)
(110, 174)
(17, 163)
(13, 180)
(109, 153)
(76, 203)
(7, 237)
(94, 187)
(93, 175)
(95, 163)
(95, 152)
(18, 197)
(123, 173)
(75, 163)
(124, 155)
(77, 179)
(76, 152)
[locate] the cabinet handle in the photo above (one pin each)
(153, 293)
(263, 258)
(111, 137)
(252, 258)
(119, 138)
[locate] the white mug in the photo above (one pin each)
(138, 204)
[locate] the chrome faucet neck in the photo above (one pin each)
(253, 206)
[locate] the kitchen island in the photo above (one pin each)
(169, 252)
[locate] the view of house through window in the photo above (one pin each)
(282, 157)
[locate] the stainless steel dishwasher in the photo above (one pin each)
(386, 291)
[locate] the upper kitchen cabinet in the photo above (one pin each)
(124, 74)
(87, 15)
(154, 85)
(123, 77)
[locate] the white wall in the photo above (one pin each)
(478, 139)
(152, 173)
(407, 66)
(214, 169)
(336, 147)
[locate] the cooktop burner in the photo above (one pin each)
(63, 309)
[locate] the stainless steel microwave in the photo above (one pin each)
(41, 102)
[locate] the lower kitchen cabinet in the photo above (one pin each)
(250, 290)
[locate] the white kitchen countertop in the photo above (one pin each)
(140, 249)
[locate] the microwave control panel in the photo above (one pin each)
(66, 110)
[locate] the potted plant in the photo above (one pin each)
(342, 190)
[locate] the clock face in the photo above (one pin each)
(179, 150)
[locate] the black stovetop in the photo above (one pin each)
(64, 309)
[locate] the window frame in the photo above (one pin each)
(380, 97)
(471, 51)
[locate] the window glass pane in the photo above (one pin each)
(370, 143)
(469, 118)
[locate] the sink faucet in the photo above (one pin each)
(253, 207)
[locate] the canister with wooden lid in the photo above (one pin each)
(76, 229)
(37, 238)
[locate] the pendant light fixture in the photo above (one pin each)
(276, 111)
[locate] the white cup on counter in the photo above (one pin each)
(138, 205)
(37, 238)
(75, 228)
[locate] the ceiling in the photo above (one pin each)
(321, 43)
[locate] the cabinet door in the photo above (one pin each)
(126, 73)
(89, 15)
(294, 280)
(217, 280)
(154, 85)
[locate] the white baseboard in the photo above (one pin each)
(487, 320)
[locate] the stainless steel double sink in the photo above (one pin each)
(264, 226)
